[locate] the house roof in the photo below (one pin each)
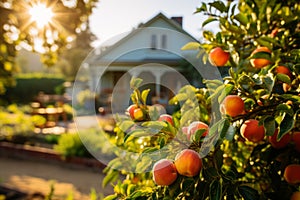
(160, 16)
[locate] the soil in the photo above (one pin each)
(37, 177)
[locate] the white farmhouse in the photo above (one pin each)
(151, 52)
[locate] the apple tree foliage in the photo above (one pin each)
(233, 168)
(17, 28)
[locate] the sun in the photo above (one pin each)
(40, 14)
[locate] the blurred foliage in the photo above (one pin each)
(233, 168)
(15, 122)
(17, 29)
(83, 144)
(28, 86)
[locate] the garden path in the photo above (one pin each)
(34, 176)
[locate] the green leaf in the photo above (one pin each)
(191, 46)
(230, 133)
(210, 173)
(145, 96)
(219, 5)
(155, 124)
(248, 193)
(262, 54)
(110, 177)
(283, 108)
(198, 134)
(136, 134)
(125, 125)
(144, 164)
(286, 125)
(203, 8)
(215, 190)
(294, 98)
(227, 90)
(223, 127)
(242, 19)
(178, 97)
(269, 125)
(219, 159)
(283, 77)
(208, 35)
(111, 197)
(209, 20)
(297, 68)
(135, 82)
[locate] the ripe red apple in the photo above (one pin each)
(283, 70)
(164, 172)
(131, 109)
(232, 105)
(195, 126)
(218, 57)
(166, 118)
(295, 196)
(285, 140)
(292, 174)
(296, 140)
(135, 113)
(252, 131)
(188, 163)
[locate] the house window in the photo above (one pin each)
(153, 41)
(164, 41)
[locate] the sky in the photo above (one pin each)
(113, 17)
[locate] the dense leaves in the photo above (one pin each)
(233, 166)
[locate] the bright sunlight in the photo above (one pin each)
(40, 14)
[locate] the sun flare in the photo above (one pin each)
(41, 14)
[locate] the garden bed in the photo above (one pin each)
(46, 155)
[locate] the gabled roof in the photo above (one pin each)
(160, 16)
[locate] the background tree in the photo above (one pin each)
(43, 26)
(73, 56)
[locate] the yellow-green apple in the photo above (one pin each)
(218, 57)
(252, 131)
(188, 163)
(164, 172)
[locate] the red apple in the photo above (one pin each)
(195, 126)
(131, 109)
(285, 140)
(166, 118)
(164, 172)
(252, 131)
(188, 163)
(296, 140)
(218, 57)
(292, 174)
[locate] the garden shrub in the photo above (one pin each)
(14, 122)
(29, 85)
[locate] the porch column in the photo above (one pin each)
(158, 73)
